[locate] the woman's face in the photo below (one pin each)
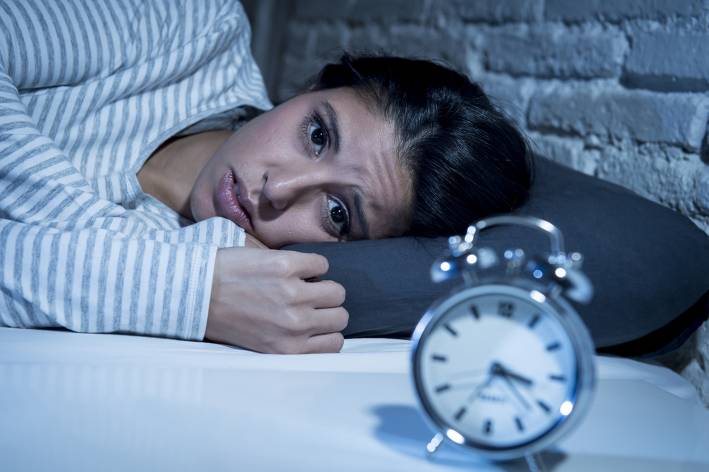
(319, 167)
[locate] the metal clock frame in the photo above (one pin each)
(553, 305)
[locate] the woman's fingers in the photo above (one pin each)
(272, 263)
(331, 342)
(261, 301)
(300, 264)
(322, 294)
(327, 320)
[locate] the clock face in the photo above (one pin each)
(497, 370)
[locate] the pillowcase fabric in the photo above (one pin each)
(648, 264)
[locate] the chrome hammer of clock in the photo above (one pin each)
(561, 268)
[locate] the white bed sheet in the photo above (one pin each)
(72, 401)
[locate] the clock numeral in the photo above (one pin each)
(459, 414)
(558, 378)
(520, 425)
(443, 388)
(450, 329)
(505, 309)
(544, 406)
(553, 346)
(475, 312)
(439, 358)
(533, 321)
(487, 427)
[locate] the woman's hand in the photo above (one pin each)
(261, 301)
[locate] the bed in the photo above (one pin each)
(74, 401)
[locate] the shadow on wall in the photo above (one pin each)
(269, 25)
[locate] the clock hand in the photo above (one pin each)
(504, 371)
(462, 385)
(516, 392)
(515, 401)
(495, 370)
(480, 387)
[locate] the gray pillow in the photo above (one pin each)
(648, 264)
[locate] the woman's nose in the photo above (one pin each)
(284, 189)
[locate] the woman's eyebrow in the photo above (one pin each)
(332, 124)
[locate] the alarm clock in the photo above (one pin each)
(503, 365)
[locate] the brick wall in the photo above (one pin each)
(615, 88)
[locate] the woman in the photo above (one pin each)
(110, 142)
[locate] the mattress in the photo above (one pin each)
(77, 402)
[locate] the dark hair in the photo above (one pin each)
(466, 158)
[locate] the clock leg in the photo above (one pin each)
(433, 444)
(534, 462)
(511, 387)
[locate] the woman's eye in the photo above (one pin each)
(318, 136)
(337, 212)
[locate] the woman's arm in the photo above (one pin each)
(67, 257)
(71, 259)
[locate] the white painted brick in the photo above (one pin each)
(360, 10)
(650, 172)
(493, 11)
(697, 371)
(295, 74)
(300, 40)
(702, 222)
(368, 38)
(511, 95)
(679, 119)
(618, 10)
(554, 51)
(402, 10)
(328, 41)
(321, 9)
(409, 40)
(418, 41)
(566, 151)
(668, 61)
(701, 190)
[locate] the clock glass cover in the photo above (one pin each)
(496, 368)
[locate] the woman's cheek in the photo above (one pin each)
(290, 229)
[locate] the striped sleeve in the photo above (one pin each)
(69, 258)
(91, 281)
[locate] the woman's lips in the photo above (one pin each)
(227, 203)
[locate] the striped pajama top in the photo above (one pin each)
(89, 89)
